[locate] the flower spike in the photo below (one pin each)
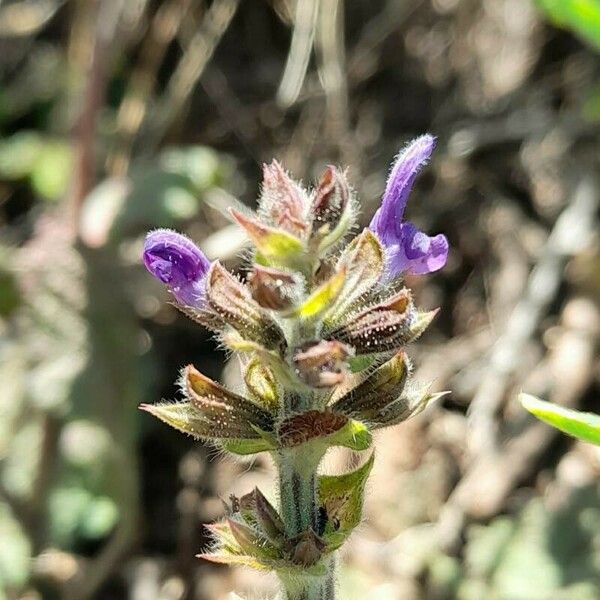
(322, 335)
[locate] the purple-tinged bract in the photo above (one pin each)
(177, 262)
(408, 250)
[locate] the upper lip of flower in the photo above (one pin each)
(409, 250)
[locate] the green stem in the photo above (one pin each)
(311, 588)
(298, 494)
(299, 511)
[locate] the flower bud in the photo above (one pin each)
(261, 384)
(232, 301)
(283, 202)
(331, 208)
(179, 263)
(259, 509)
(363, 262)
(322, 364)
(251, 543)
(273, 288)
(408, 405)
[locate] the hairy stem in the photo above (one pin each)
(300, 512)
(297, 491)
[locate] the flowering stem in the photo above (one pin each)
(303, 317)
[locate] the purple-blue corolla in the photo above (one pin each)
(179, 263)
(408, 249)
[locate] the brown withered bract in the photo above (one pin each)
(305, 426)
(273, 288)
(265, 515)
(306, 548)
(322, 364)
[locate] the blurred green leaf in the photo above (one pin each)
(585, 426)
(99, 518)
(201, 165)
(46, 162)
(15, 552)
(76, 512)
(591, 106)
(538, 554)
(18, 154)
(10, 295)
(580, 16)
(51, 172)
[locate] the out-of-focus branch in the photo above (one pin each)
(84, 136)
(27, 17)
(305, 23)
(133, 108)
(332, 71)
(571, 232)
(494, 472)
(189, 70)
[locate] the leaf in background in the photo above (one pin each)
(201, 165)
(15, 552)
(46, 162)
(585, 426)
(51, 172)
(580, 16)
(18, 154)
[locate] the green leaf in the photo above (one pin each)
(342, 498)
(580, 16)
(584, 426)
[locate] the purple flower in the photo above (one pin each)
(179, 263)
(408, 249)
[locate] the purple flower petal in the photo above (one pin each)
(408, 250)
(418, 253)
(387, 220)
(179, 263)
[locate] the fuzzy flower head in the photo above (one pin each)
(408, 249)
(177, 262)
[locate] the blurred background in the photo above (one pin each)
(117, 116)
